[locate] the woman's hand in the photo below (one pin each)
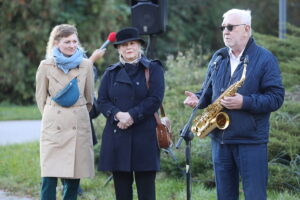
(125, 120)
(97, 54)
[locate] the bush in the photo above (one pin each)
(25, 28)
(285, 174)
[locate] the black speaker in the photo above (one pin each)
(149, 17)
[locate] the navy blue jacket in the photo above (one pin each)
(123, 88)
(262, 93)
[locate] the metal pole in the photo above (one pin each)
(282, 19)
(188, 170)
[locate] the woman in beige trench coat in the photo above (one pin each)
(66, 148)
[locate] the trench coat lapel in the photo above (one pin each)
(123, 77)
(74, 73)
(63, 78)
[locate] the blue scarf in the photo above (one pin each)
(67, 63)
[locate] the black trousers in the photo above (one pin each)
(145, 184)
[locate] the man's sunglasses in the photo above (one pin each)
(229, 27)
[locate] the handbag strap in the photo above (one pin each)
(162, 111)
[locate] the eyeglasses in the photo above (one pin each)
(229, 27)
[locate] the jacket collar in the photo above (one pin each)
(145, 61)
(249, 46)
(114, 66)
(122, 75)
(238, 72)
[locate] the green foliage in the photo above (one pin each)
(279, 169)
(198, 21)
(19, 35)
(287, 52)
(284, 49)
(25, 28)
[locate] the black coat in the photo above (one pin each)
(123, 88)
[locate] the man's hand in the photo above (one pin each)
(234, 102)
(191, 99)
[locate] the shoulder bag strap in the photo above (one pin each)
(147, 76)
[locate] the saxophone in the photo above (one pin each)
(212, 117)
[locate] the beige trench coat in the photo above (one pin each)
(66, 147)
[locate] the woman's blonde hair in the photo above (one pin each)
(58, 32)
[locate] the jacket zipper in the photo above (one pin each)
(222, 141)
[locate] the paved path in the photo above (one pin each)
(6, 196)
(17, 132)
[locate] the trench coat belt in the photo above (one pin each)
(80, 102)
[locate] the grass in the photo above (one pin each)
(12, 112)
(20, 174)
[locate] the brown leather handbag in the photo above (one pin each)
(163, 127)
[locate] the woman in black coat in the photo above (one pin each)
(129, 145)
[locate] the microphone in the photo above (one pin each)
(221, 54)
(110, 39)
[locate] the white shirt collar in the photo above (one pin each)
(234, 61)
(232, 56)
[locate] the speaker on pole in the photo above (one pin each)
(149, 16)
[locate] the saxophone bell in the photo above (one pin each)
(204, 127)
(222, 120)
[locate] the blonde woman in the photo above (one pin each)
(129, 146)
(64, 95)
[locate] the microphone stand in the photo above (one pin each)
(188, 136)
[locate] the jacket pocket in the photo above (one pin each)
(241, 125)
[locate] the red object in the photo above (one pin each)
(112, 37)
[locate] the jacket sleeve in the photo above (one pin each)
(95, 110)
(104, 104)
(271, 93)
(152, 102)
(41, 89)
(89, 85)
